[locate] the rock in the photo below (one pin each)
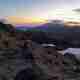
(71, 67)
(49, 61)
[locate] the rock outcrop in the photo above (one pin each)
(71, 67)
(50, 62)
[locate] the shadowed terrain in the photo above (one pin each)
(23, 56)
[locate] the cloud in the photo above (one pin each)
(77, 10)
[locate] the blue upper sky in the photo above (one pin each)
(35, 8)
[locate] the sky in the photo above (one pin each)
(47, 9)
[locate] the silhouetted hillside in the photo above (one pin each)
(6, 27)
(60, 39)
(58, 34)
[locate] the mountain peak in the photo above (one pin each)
(55, 21)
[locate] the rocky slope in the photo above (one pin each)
(50, 61)
(71, 67)
(22, 57)
(15, 54)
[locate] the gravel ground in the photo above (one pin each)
(12, 59)
(16, 55)
(71, 68)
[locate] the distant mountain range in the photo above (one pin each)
(28, 27)
(51, 26)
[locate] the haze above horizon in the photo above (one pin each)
(38, 10)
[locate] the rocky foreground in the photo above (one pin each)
(22, 57)
(14, 49)
(7, 55)
(71, 67)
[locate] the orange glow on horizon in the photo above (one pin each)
(21, 20)
(72, 23)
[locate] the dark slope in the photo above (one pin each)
(65, 40)
(6, 27)
(71, 67)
